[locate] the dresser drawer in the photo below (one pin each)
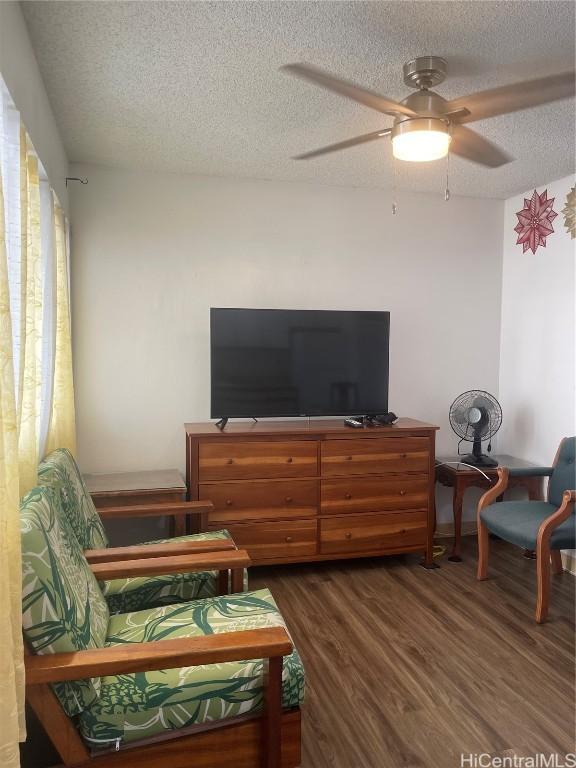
(374, 494)
(261, 499)
(372, 455)
(275, 539)
(371, 533)
(245, 460)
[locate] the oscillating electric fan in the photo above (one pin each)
(475, 416)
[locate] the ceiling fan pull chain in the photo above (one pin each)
(394, 205)
(447, 188)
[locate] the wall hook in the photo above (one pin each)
(75, 178)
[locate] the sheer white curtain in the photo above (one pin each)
(49, 308)
(36, 390)
(10, 169)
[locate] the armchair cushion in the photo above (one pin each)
(518, 522)
(138, 706)
(135, 594)
(59, 470)
(62, 606)
(564, 476)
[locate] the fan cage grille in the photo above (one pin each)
(458, 414)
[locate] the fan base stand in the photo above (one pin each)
(479, 461)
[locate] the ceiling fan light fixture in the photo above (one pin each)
(420, 140)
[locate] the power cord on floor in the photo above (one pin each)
(438, 550)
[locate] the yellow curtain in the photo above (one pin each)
(30, 391)
(62, 432)
(12, 725)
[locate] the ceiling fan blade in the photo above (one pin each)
(472, 146)
(351, 91)
(344, 144)
(511, 98)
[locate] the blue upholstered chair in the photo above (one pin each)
(543, 526)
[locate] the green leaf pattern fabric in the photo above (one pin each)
(132, 707)
(135, 594)
(63, 608)
(59, 470)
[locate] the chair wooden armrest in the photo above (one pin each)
(497, 490)
(157, 510)
(236, 559)
(531, 471)
(563, 512)
(543, 552)
(146, 551)
(263, 643)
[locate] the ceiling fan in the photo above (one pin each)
(426, 126)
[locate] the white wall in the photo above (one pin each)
(151, 253)
(537, 360)
(20, 72)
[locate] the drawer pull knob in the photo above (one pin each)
(290, 460)
(402, 493)
(230, 461)
(348, 535)
(347, 495)
(403, 530)
(288, 499)
(228, 502)
(288, 539)
(348, 458)
(404, 456)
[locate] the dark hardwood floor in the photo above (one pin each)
(409, 668)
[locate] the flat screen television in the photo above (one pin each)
(280, 362)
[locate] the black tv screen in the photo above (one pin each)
(279, 362)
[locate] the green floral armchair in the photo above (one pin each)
(60, 471)
(125, 698)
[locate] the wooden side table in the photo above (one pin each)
(460, 477)
(163, 486)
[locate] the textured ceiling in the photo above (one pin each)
(194, 86)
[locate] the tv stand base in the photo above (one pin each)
(225, 419)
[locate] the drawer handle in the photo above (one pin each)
(402, 493)
(229, 502)
(347, 495)
(348, 535)
(403, 455)
(290, 460)
(348, 458)
(288, 539)
(288, 499)
(230, 461)
(403, 530)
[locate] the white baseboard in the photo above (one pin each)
(569, 562)
(445, 530)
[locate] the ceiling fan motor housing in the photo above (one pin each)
(429, 107)
(425, 71)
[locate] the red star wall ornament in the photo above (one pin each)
(535, 222)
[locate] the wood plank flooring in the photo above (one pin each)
(409, 668)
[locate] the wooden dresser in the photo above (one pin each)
(300, 491)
